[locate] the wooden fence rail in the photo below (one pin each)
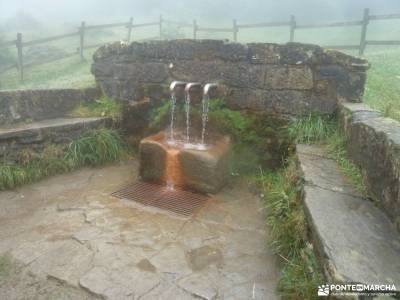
(236, 28)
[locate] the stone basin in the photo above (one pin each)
(204, 171)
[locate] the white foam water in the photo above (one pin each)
(173, 106)
(187, 109)
(204, 117)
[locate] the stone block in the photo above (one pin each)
(204, 171)
(349, 84)
(281, 102)
(141, 72)
(203, 50)
(37, 105)
(374, 145)
(244, 75)
(197, 71)
(298, 54)
(152, 156)
(259, 53)
(288, 78)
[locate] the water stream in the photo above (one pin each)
(187, 110)
(204, 117)
(173, 107)
(173, 171)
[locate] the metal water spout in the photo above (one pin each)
(176, 85)
(209, 87)
(175, 88)
(189, 87)
(204, 117)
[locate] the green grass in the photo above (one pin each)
(317, 129)
(312, 129)
(66, 73)
(103, 107)
(300, 274)
(94, 148)
(382, 91)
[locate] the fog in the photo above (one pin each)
(244, 11)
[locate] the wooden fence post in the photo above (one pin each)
(130, 30)
(235, 30)
(292, 27)
(365, 23)
(19, 45)
(194, 29)
(82, 40)
(161, 21)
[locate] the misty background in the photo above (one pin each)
(57, 63)
(73, 11)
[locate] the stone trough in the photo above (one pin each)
(204, 171)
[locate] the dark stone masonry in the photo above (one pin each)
(374, 145)
(37, 105)
(292, 79)
(30, 120)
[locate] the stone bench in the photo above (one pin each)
(35, 135)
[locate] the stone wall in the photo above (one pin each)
(292, 79)
(36, 105)
(373, 143)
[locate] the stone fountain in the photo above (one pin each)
(187, 158)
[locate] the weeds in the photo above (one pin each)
(312, 129)
(94, 148)
(315, 129)
(103, 107)
(288, 227)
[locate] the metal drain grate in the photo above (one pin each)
(181, 202)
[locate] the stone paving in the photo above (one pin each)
(71, 240)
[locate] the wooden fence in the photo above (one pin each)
(236, 28)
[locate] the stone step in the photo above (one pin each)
(52, 131)
(355, 241)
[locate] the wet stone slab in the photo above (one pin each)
(82, 241)
(355, 239)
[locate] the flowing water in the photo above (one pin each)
(187, 109)
(204, 117)
(173, 171)
(173, 106)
